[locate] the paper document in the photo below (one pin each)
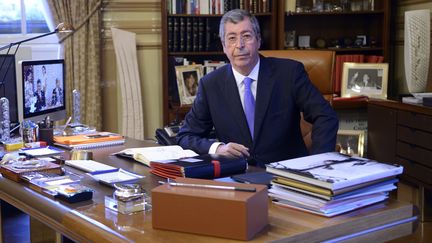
(148, 154)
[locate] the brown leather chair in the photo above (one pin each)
(319, 65)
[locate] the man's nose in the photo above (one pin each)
(240, 42)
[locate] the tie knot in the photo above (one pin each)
(247, 81)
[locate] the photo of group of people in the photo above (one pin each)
(43, 87)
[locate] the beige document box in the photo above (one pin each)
(216, 212)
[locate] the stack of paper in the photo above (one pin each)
(331, 183)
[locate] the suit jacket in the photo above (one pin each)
(284, 90)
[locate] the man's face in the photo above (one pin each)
(241, 46)
(38, 86)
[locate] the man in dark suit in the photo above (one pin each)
(281, 89)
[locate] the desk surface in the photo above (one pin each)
(90, 220)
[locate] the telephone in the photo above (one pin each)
(166, 135)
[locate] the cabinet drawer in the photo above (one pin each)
(415, 170)
(414, 153)
(415, 137)
(415, 120)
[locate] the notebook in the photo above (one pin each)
(89, 165)
(88, 141)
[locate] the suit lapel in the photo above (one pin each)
(230, 91)
(264, 91)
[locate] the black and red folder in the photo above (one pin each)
(203, 166)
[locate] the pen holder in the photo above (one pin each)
(46, 135)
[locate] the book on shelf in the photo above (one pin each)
(175, 34)
(189, 35)
(203, 166)
(333, 170)
(149, 154)
(88, 141)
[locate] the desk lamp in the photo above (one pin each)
(5, 126)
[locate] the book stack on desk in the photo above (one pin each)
(329, 184)
(89, 141)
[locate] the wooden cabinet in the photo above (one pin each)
(402, 133)
(195, 36)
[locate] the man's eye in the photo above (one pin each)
(247, 37)
(232, 39)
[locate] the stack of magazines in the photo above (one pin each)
(329, 184)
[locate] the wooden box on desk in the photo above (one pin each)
(223, 213)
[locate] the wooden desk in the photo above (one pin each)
(90, 221)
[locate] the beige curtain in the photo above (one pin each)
(82, 54)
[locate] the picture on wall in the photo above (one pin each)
(187, 81)
(368, 79)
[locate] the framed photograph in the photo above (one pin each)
(187, 82)
(351, 142)
(369, 79)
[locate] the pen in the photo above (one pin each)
(66, 125)
(234, 188)
(68, 121)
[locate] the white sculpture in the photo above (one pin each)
(417, 49)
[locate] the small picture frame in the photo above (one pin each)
(351, 142)
(210, 66)
(187, 82)
(367, 79)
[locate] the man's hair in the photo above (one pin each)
(235, 16)
(38, 81)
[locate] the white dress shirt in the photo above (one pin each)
(241, 89)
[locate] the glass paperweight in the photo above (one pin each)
(128, 199)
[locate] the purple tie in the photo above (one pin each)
(249, 104)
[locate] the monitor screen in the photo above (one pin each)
(8, 84)
(42, 90)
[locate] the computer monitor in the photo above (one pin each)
(8, 84)
(41, 90)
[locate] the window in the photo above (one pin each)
(22, 17)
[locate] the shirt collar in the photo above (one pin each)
(253, 74)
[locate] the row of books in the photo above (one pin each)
(330, 184)
(198, 7)
(188, 34)
(357, 58)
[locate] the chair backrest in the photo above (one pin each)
(319, 65)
